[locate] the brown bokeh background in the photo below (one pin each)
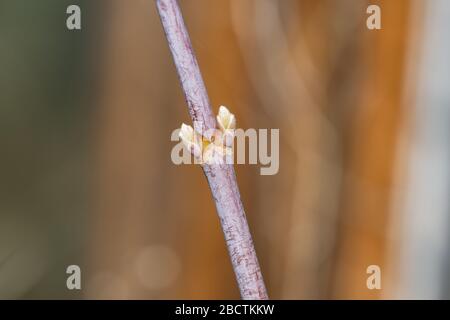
(87, 178)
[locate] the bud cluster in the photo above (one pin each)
(218, 148)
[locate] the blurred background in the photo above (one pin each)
(87, 179)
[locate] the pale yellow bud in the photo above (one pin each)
(225, 119)
(190, 140)
(227, 123)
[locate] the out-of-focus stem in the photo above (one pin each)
(221, 178)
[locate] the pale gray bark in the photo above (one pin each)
(221, 178)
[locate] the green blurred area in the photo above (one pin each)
(43, 125)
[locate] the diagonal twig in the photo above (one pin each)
(221, 177)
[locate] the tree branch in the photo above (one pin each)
(221, 177)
